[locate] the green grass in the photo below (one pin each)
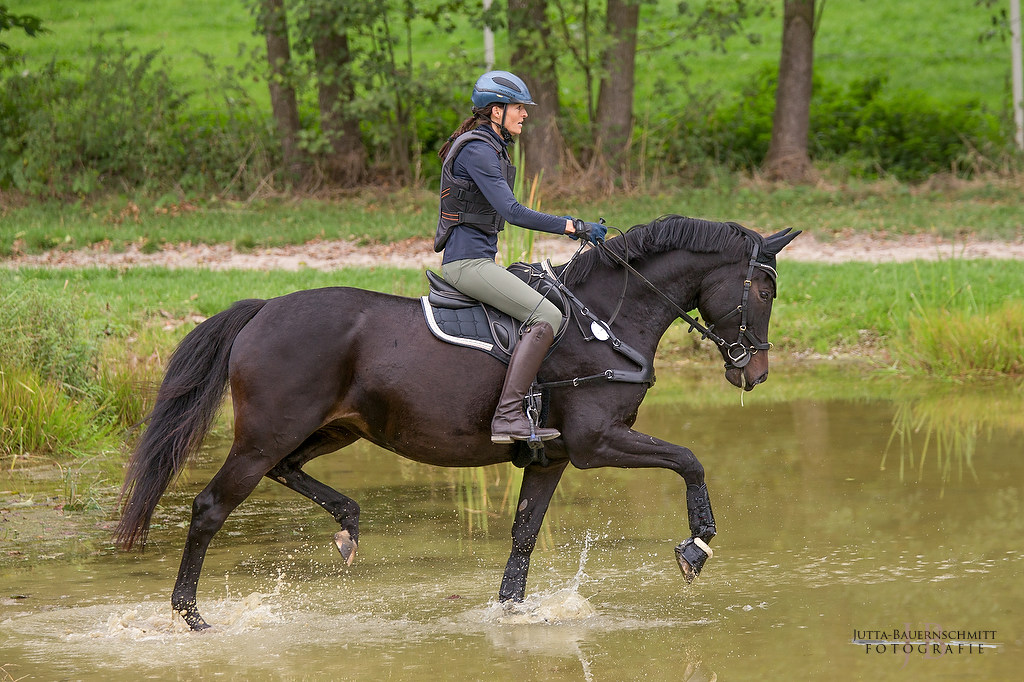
(824, 308)
(952, 343)
(820, 309)
(985, 209)
(122, 299)
(928, 46)
(181, 30)
(950, 319)
(132, 320)
(120, 221)
(38, 418)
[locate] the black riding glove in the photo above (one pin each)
(590, 232)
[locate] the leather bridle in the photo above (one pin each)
(746, 345)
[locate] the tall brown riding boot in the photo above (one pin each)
(510, 421)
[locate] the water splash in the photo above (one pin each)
(153, 621)
(561, 605)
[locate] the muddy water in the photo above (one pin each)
(842, 526)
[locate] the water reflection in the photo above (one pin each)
(946, 428)
(821, 535)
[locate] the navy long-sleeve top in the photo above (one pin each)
(478, 162)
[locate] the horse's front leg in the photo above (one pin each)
(538, 486)
(620, 446)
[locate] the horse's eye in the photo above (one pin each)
(765, 296)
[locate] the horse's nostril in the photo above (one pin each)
(759, 380)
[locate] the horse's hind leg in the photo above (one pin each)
(345, 511)
(237, 478)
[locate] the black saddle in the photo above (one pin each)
(461, 320)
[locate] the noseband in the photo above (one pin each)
(738, 352)
(746, 345)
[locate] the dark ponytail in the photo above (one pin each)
(481, 116)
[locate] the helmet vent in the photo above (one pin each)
(507, 83)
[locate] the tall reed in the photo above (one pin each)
(518, 241)
(37, 417)
(963, 342)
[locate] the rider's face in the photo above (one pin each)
(515, 114)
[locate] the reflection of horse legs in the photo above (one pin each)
(623, 447)
(538, 486)
(344, 509)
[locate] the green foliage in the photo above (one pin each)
(865, 128)
(45, 332)
(909, 135)
(704, 91)
(30, 24)
(121, 123)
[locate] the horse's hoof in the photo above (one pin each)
(193, 619)
(346, 545)
(691, 555)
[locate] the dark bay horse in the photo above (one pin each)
(316, 370)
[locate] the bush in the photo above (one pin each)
(905, 134)
(908, 135)
(120, 124)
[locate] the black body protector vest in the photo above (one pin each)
(462, 202)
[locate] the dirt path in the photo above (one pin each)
(418, 253)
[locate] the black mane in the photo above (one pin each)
(668, 233)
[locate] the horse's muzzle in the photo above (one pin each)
(747, 377)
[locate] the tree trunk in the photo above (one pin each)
(615, 99)
(788, 159)
(282, 93)
(533, 61)
(346, 161)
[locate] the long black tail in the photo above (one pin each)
(189, 397)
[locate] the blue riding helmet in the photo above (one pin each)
(500, 87)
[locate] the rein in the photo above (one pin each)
(738, 352)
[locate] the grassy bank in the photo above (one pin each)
(989, 209)
(77, 344)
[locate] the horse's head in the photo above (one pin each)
(737, 301)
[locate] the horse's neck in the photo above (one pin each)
(644, 315)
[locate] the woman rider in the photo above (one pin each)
(477, 177)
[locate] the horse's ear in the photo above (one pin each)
(780, 240)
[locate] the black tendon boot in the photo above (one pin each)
(693, 552)
(510, 421)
